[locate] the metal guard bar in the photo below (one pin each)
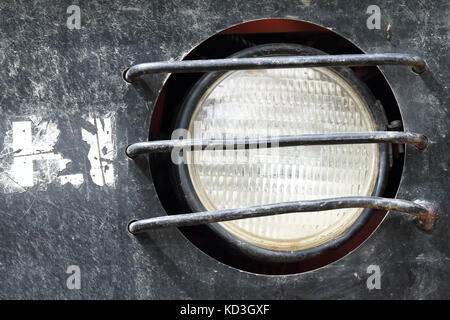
(418, 140)
(136, 71)
(421, 210)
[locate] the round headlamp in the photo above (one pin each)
(279, 102)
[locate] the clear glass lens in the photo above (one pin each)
(261, 103)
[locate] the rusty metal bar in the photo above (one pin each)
(421, 210)
(418, 140)
(136, 71)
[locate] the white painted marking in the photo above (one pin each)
(22, 168)
(33, 160)
(75, 179)
(101, 153)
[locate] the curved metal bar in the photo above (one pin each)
(421, 210)
(136, 71)
(418, 140)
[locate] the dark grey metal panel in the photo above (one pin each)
(54, 76)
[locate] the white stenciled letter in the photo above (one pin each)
(28, 158)
(74, 280)
(373, 22)
(74, 20)
(374, 280)
(101, 153)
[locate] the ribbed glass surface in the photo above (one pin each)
(265, 103)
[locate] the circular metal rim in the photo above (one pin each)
(189, 195)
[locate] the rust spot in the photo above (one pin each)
(389, 32)
(426, 222)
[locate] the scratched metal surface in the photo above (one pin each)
(71, 114)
